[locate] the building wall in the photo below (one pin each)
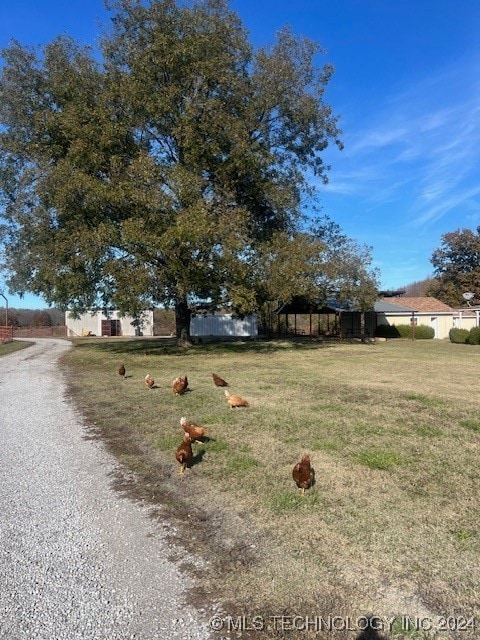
(92, 323)
(223, 325)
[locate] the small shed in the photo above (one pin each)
(223, 325)
(98, 323)
(417, 310)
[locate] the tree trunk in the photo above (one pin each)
(182, 323)
(363, 333)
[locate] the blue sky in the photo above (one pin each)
(406, 88)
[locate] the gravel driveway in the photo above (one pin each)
(77, 560)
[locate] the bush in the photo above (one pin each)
(458, 336)
(422, 331)
(405, 330)
(474, 336)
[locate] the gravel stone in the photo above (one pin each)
(77, 560)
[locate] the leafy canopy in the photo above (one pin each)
(169, 168)
(457, 267)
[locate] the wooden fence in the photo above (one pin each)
(40, 332)
(6, 334)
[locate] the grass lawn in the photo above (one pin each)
(14, 345)
(391, 525)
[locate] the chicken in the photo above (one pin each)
(302, 474)
(184, 453)
(121, 371)
(195, 431)
(219, 382)
(149, 381)
(179, 385)
(235, 401)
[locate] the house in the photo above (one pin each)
(342, 320)
(99, 324)
(419, 310)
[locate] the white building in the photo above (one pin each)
(98, 324)
(223, 325)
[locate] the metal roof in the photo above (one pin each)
(382, 306)
(299, 305)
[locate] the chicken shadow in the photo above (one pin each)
(371, 630)
(197, 458)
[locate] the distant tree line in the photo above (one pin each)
(35, 317)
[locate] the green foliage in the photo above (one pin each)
(457, 267)
(424, 332)
(172, 170)
(474, 336)
(458, 336)
(421, 332)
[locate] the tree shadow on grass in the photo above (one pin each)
(167, 346)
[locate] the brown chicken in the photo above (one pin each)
(180, 385)
(302, 474)
(149, 381)
(235, 401)
(184, 453)
(219, 382)
(121, 371)
(195, 431)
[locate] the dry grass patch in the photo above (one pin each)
(391, 523)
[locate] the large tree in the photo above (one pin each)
(457, 267)
(170, 168)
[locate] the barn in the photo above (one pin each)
(98, 323)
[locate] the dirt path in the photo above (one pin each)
(78, 561)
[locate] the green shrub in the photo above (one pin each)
(405, 330)
(422, 331)
(458, 336)
(474, 336)
(386, 331)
